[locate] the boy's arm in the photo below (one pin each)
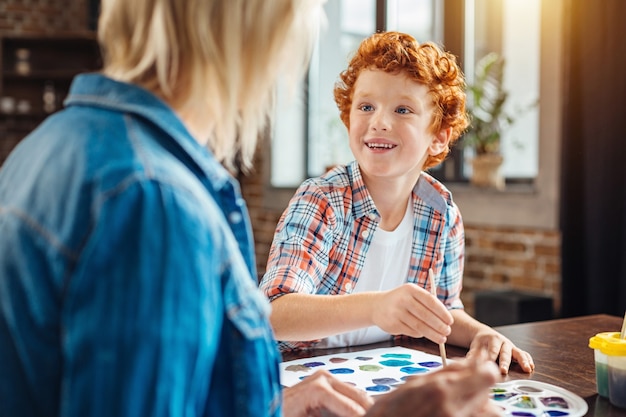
(408, 310)
(304, 317)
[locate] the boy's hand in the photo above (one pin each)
(411, 310)
(501, 349)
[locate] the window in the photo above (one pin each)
(511, 28)
(309, 137)
(350, 21)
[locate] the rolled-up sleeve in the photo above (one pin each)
(302, 245)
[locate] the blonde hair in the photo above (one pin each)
(217, 58)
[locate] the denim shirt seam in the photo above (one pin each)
(138, 147)
(43, 232)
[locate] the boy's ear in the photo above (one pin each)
(440, 141)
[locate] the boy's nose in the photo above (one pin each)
(380, 121)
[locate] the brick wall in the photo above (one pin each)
(43, 16)
(263, 219)
(497, 258)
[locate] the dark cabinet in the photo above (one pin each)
(36, 72)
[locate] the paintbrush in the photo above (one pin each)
(433, 291)
(622, 334)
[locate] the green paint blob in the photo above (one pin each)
(370, 368)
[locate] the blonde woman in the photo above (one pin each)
(126, 260)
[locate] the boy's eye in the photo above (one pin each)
(366, 107)
(403, 110)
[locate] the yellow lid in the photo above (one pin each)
(614, 346)
(600, 339)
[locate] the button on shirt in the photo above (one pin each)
(322, 239)
(127, 278)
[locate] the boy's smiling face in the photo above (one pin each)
(390, 121)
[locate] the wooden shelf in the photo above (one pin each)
(42, 75)
(30, 64)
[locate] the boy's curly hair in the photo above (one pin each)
(426, 63)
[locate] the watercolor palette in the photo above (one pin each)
(375, 371)
(378, 371)
(527, 398)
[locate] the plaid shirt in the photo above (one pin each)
(323, 237)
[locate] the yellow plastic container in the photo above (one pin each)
(615, 350)
(602, 362)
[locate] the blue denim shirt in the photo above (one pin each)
(126, 270)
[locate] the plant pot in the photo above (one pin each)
(486, 171)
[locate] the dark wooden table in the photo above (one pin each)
(560, 349)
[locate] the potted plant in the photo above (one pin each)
(486, 98)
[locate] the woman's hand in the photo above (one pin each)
(321, 391)
(461, 389)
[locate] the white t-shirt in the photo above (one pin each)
(386, 267)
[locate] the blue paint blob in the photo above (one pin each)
(363, 358)
(411, 370)
(314, 364)
(341, 371)
(378, 388)
(556, 413)
(396, 355)
(522, 414)
(503, 396)
(430, 364)
(396, 362)
(385, 381)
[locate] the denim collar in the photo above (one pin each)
(97, 90)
